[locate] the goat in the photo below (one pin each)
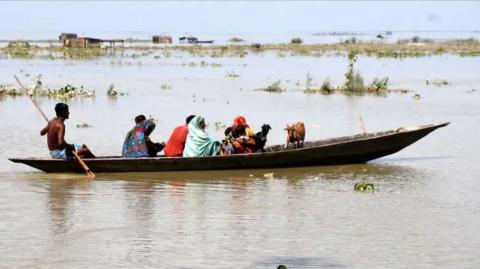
(295, 134)
(261, 138)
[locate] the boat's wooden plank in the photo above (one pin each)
(340, 150)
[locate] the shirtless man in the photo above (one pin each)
(55, 130)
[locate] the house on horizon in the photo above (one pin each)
(82, 42)
(165, 39)
(64, 36)
(71, 40)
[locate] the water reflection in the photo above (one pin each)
(58, 204)
(139, 200)
(299, 217)
(243, 179)
(61, 191)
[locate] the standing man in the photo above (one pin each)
(55, 130)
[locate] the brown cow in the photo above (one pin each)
(295, 134)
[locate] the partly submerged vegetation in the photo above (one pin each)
(112, 92)
(354, 83)
(83, 125)
(232, 74)
(414, 47)
(66, 92)
(274, 87)
(296, 40)
(364, 187)
(437, 82)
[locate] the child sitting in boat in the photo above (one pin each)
(137, 142)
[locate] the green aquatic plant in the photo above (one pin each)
(326, 87)
(352, 40)
(83, 125)
(232, 74)
(355, 83)
(364, 187)
(67, 92)
(274, 87)
(19, 44)
(9, 91)
(470, 53)
(296, 40)
(308, 81)
(84, 53)
(165, 87)
(111, 91)
(401, 49)
(20, 49)
(353, 80)
(379, 84)
(440, 82)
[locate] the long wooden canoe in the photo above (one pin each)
(359, 148)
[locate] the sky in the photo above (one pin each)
(38, 19)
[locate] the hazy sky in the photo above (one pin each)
(31, 18)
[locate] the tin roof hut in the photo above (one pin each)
(63, 36)
(162, 39)
(82, 42)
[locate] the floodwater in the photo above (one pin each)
(423, 213)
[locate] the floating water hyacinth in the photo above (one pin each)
(66, 92)
(364, 187)
(275, 87)
(83, 125)
(112, 92)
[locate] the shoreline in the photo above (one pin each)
(401, 49)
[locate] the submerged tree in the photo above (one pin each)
(353, 80)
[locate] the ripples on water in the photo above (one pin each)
(304, 218)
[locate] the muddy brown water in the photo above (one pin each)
(423, 213)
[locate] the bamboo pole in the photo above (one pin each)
(74, 152)
(362, 125)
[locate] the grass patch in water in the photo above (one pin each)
(296, 40)
(83, 125)
(165, 87)
(232, 74)
(274, 87)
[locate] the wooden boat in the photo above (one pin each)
(359, 148)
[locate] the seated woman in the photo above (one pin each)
(243, 137)
(241, 121)
(137, 143)
(198, 142)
